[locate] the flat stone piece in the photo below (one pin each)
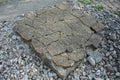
(60, 35)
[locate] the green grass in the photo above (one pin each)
(117, 13)
(99, 7)
(85, 1)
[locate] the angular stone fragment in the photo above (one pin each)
(63, 60)
(25, 31)
(56, 48)
(98, 26)
(38, 46)
(88, 20)
(93, 40)
(60, 36)
(76, 55)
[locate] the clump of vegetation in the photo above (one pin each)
(99, 7)
(117, 13)
(85, 1)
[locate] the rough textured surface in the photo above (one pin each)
(60, 35)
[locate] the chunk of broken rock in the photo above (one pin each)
(59, 35)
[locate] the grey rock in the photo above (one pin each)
(99, 56)
(113, 36)
(107, 54)
(1, 52)
(76, 76)
(118, 47)
(114, 54)
(110, 57)
(25, 77)
(51, 74)
(98, 72)
(117, 74)
(85, 60)
(109, 68)
(91, 76)
(91, 61)
(14, 37)
(96, 55)
(107, 79)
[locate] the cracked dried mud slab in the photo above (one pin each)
(59, 34)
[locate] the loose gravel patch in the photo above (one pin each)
(109, 67)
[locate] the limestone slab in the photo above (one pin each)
(60, 35)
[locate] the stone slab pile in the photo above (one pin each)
(60, 35)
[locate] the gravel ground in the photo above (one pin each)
(19, 62)
(109, 66)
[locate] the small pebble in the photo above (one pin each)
(118, 47)
(114, 54)
(110, 57)
(107, 54)
(107, 79)
(98, 72)
(109, 68)
(117, 74)
(14, 37)
(113, 36)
